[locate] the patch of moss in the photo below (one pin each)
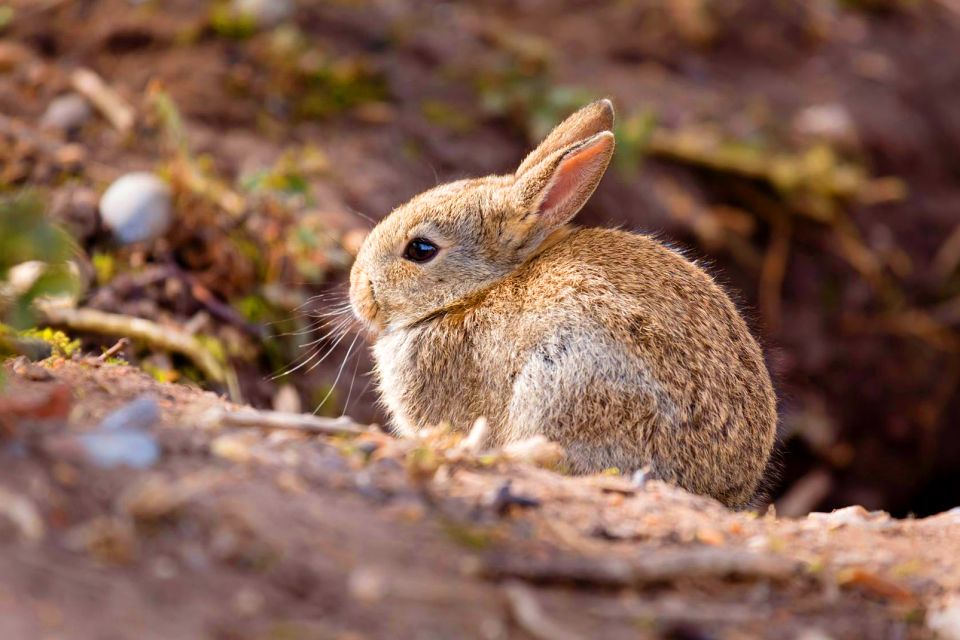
(227, 23)
(60, 343)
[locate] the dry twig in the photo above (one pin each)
(663, 567)
(147, 331)
(247, 418)
(114, 108)
(112, 351)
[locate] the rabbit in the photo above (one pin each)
(483, 300)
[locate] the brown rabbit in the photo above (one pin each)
(484, 301)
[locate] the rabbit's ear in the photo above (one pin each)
(589, 121)
(551, 193)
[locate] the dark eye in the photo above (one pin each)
(420, 250)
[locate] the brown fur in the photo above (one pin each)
(605, 341)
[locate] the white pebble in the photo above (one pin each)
(137, 208)
(944, 620)
(265, 13)
(66, 113)
(830, 123)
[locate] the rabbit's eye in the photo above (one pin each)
(420, 250)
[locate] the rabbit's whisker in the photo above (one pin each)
(339, 373)
(341, 327)
(332, 348)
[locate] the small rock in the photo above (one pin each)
(121, 448)
(21, 277)
(164, 568)
(142, 413)
(711, 537)
(367, 584)
(852, 515)
(137, 208)
(248, 602)
(26, 369)
(945, 619)
(24, 515)
(830, 123)
(640, 477)
(67, 113)
(265, 13)
(476, 440)
(232, 447)
(121, 438)
(287, 400)
(536, 450)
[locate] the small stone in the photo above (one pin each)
(26, 369)
(121, 439)
(164, 568)
(23, 514)
(137, 208)
(945, 619)
(232, 447)
(248, 602)
(141, 413)
(67, 113)
(536, 450)
(121, 448)
(265, 13)
(640, 477)
(853, 515)
(830, 123)
(367, 584)
(287, 399)
(711, 537)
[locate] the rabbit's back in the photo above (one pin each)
(630, 338)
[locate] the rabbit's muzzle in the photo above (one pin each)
(362, 300)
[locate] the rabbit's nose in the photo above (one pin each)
(362, 300)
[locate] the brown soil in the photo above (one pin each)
(250, 534)
(861, 327)
(281, 535)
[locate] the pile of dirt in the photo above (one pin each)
(266, 533)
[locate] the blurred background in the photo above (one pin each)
(806, 151)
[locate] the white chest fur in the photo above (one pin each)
(393, 352)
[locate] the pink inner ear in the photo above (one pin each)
(575, 174)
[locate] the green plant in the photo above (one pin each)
(26, 235)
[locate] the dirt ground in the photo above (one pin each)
(280, 534)
(320, 126)
(854, 296)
